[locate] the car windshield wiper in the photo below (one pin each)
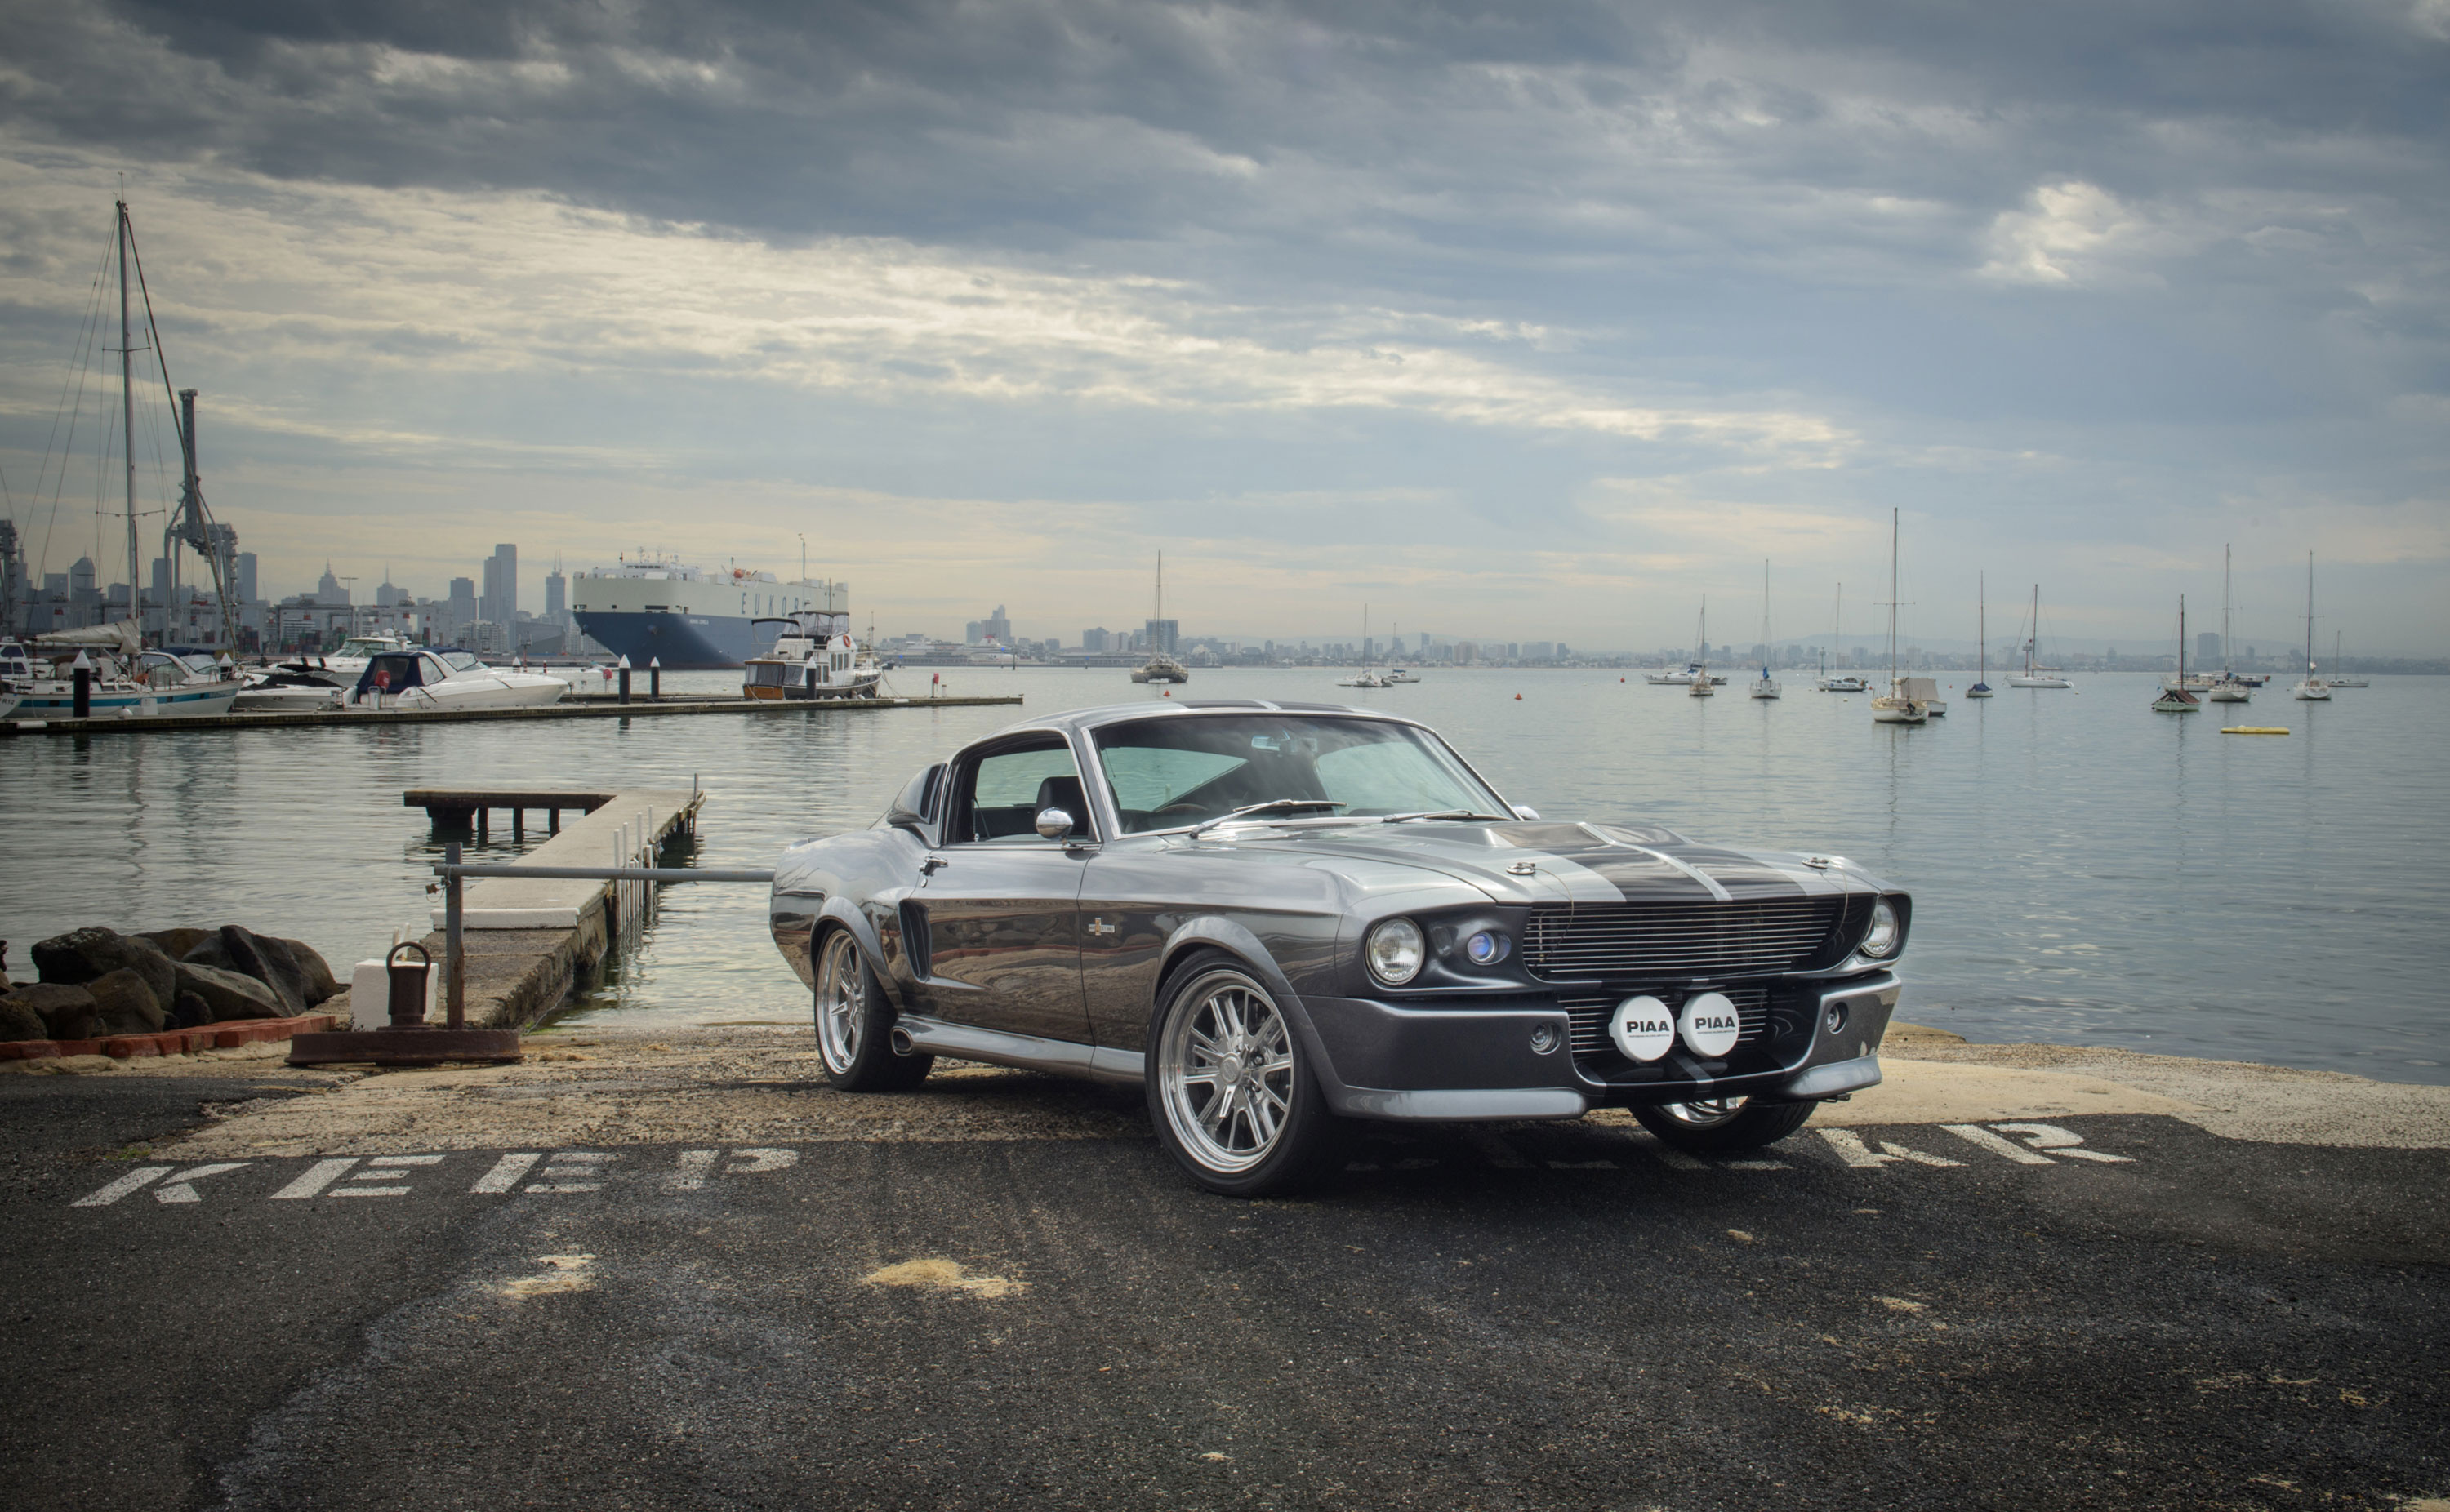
(1273, 805)
(1442, 813)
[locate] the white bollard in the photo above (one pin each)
(370, 994)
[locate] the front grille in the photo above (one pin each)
(1649, 940)
(1590, 1017)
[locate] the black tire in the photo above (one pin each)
(1706, 1129)
(1275, 1133)
(855, 1038)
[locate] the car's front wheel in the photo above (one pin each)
(1230, 1088)
(1723, 1125)
(854, 1026)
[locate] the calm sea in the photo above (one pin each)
(2085, 871)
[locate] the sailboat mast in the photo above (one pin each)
(2035, 636)
(2182, 640)
(1981, 629)
(128, 421)
(1764, 618)
(1893, 598)
(2228, 656)
(2309, 614)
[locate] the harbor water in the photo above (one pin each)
(2085, 871)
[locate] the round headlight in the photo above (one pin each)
(1487, 947)
(1394, 952)
(1887, 932)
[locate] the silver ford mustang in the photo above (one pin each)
(1278, 917)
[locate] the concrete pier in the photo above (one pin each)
(527, 941)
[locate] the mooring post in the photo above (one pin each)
(625, 678)
(80, 688)
(454, 981)
(654, 677)
(484, 820)
(552, 823)
(519, 825)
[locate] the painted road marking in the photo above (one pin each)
(583, 1171)
(133, 1181)
(1851, 1150)
(1974, 1134)
(507, 1172)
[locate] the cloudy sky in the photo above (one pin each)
(1539, 321)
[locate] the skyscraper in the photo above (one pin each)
(556, 595)
(500, 603)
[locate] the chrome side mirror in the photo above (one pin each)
(1053, 823)
(1526, 811)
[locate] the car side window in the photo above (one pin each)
(1001, 793)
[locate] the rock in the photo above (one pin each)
(126, 1003)
(320, 984)
(83, 955)
(230, 994)
(175, 943)
(190, 1012)
(66, 1010)
(19, 1021)
(269, 961)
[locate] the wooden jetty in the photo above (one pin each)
(581, 705)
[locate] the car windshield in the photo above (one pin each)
(1173, 772)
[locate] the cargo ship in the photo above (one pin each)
(691, 618)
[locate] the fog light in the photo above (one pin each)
(1835, 1017)
(1486, 948)
(1544, 1039)
(1394, 951)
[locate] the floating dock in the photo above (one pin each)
(581, 705)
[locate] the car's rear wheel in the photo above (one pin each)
(854, 1026)
(1723, 1125)
(1230, 1088)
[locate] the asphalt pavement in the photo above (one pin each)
(1944, 1316)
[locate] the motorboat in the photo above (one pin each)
(426, 679)
(1844, 682)
(287, 690)
(1402, 674)
(1765, 686)
(1367, 679)
(126, 682)
(807, 661)
(1899, 706)
(1981, 687)
(2313, 689)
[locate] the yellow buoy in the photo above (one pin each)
(2255, 729)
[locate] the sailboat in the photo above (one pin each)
(1160, 667)
(2313, 689)
(2339, 678)
(1766, 687)
(1701, 686)
(2232, 689)
(2174, 698)
(2037, 676)
(1843, 682)
(1981, 687)
(1897, 706)
(1369, 677)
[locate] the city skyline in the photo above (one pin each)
(1557, 321)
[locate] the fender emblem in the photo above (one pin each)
(1099, 926)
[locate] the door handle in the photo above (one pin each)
(932, 865)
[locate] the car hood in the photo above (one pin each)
(1583, 862)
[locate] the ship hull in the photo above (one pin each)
(682, 642)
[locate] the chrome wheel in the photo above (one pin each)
(1225, 1072)
(1709, 1112)
(842, 1002)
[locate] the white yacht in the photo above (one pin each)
(813, 657)
(1402, 674)
(125, 682)
(426, 679)
(1700, 684)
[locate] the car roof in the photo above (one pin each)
(1080, 721)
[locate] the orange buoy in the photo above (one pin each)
(1518, 698)
(1169, 693)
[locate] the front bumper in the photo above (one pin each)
(1476, 1061)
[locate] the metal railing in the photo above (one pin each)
(452, 869)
